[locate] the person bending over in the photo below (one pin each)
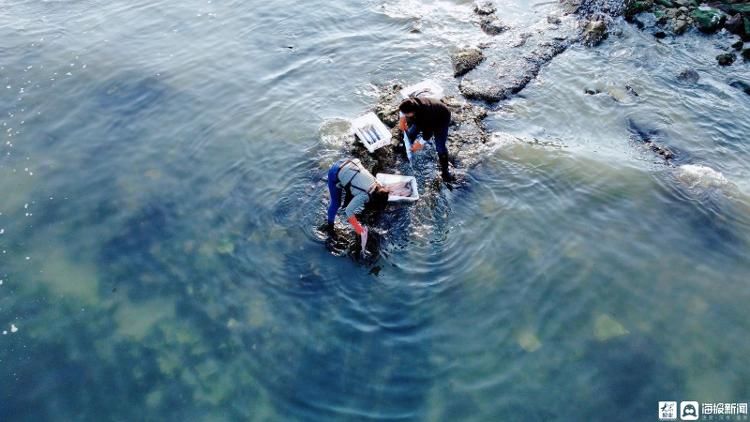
(362, 189)
(431, 118)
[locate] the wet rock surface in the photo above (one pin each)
(466, 60)
(492, 25)
(594, 32)
(649, 138)
(484, 8)
(726, 59)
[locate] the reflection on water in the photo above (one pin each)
(162, 175)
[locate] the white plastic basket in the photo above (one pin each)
(428, 88)
(388, 179)
(371, 132)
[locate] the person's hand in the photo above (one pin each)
(402, 124)
(417, 146)
(363, 238)
(328, 228)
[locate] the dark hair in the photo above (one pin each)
(409, 105)
(379, 198)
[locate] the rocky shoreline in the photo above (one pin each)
(676, 17)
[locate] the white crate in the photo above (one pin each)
(428, 88)
(371, 132)
(388, 179)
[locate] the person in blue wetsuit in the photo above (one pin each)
(431, 118)
(362, 189)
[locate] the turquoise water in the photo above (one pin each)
(162, 175)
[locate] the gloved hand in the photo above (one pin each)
(402, 124)
(417, 146)
(363, 238)
(328, 228)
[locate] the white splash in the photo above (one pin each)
(13, 328)
(702, 177)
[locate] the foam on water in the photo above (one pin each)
(703, 177)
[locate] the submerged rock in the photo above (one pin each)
(606, 328)
(645, 136)
(689, 75)
(744, 86)
(466, 60)
(726, 59)
(528, 341)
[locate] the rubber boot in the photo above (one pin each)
(447, 177)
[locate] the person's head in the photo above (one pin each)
(379, 198)
(408, 107)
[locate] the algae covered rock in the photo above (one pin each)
(708, 19)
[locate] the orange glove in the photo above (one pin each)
(402, 124)
(357, 227)
(416, 146)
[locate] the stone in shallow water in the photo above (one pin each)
(689, 75)
(528, 341)
(484, 8)
(594, 33)
(466, 60)
(726, 59)
(606, 327)
(491, 25)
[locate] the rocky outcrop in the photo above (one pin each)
(466, 60)
(594, 32)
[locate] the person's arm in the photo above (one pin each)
(412, 133)
(356, 205)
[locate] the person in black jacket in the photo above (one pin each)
(432, 118)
